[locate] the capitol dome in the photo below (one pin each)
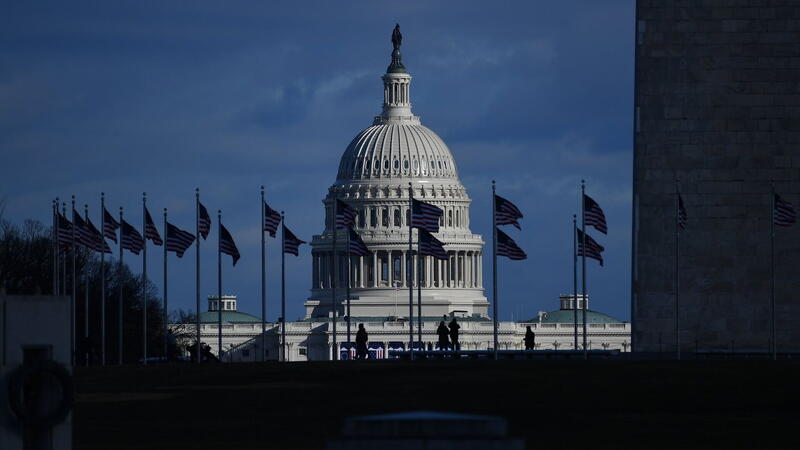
(383, 164)
(389, 149)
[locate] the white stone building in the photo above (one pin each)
(379, 166)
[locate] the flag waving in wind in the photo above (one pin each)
(783, 215)
(357, 246)
(272, 219)
(130, 239)
(226, 244)
(593, 215)
(291, 244)
(345, 215)
(178, 240)
(506, 213)
(82, 234)
(150, 230)
(508, 248)
(682, 216)
(99, 244)
(425, 216)
(64, 230)
(204, 222)
(593, 249)
(110, 225)
(429, 245)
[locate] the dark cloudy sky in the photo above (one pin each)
(164, 97)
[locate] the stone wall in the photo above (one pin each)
(717, 105)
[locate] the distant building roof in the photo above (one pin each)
(566, 316)
(229, 317)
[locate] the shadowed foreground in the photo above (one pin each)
(551, 404)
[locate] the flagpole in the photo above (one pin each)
(419, 296)
(583, 265)
(772, 302)
(54, 204)
(64, 257)
(494, 267)
(575, 279)
(410, 272)
(57, 250)
(74, 298)
(120, 281)
(283, 290)
(219, 285)
(86, 297)
(102, 280)
(263, 281)
(197, 273)
(166, 310)
(347, 293)
(144, 278)
(677, 275)
(335, 277)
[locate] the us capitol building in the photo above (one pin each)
(373, 178)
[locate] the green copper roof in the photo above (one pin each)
(566, 316)
(228, 316)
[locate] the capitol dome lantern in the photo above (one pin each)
(375, 172)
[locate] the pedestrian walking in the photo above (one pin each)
(444, 336)
(530, 339)
(361, 342)
(454, 326)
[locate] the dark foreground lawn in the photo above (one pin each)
(551, 404)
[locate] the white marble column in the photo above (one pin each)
(404, 278)
(375, 275)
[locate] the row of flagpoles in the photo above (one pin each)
(425, 217)
(81, 232)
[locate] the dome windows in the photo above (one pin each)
(385, 164)
(405, 164)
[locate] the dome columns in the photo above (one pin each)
(396, 96)
(388, 268)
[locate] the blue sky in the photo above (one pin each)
(132, 96)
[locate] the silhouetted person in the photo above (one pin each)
(454, 334)
(530, 339)
(361, 342)
(443, 332)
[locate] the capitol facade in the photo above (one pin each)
(378, 168)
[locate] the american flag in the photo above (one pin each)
(178, 240)
(345, 215)
(593, 249)
(425, 216)
(429, 245)
(83, 236)
(682, 216)
(64, 230)
(98, 243)
(150, 230)
(783, 215)
(593, 215)
(357, 246)
(130, 239)
(508, 248)
(110, 225)
(506, 213)
(272, 219)
(291, 244)
(226, 244)
(204, 222)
